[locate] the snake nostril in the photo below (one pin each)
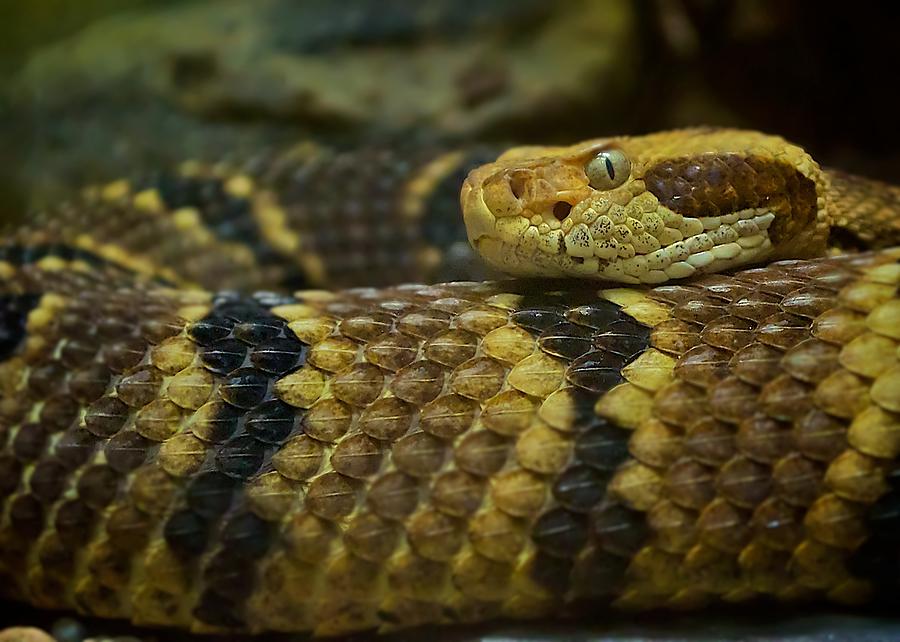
(561, 210)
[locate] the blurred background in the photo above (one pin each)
(99, 88)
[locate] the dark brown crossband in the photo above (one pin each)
(716, 184)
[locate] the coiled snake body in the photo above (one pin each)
(372, 458)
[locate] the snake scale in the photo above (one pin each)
(177, 451)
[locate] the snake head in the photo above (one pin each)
(647, 209)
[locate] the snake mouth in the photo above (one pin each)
(722, 243)
(691, 246)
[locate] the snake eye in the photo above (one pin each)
(608, 169)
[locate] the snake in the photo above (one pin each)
(688, 396)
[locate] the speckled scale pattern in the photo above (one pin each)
(376, 458)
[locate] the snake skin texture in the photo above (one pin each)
(865, 212)
(378, 458)
(276, 221)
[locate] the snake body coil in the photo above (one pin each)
(374, 458)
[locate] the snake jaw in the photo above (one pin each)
(694, 202)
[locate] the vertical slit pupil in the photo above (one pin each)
(610, 169)
(561, 210)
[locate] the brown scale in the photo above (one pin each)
(700, 311)
(367, 327)
(358, 456)
(743, 482)
(434, 535)
(675, 293)
(418, 383)
(675, 336)
(478, 379)
(763, 439)
(728, 333)
(424, 324)
(820, 436)
(756, 363)
(770, 280)
(680, 404)
(328, 419)
(709, 441)
(332, 496)
(810, 360)
(482, 453)
(451, 348)
(371, 537)
(448, 416)
(419, 454)
(755, 306)
(394, 495)
(703, 366)
(659, 444)
(393, 353)
(359, 385)
(732, 399)
(782, 331)
(808, 302)
(457, 493)
(785, 398)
